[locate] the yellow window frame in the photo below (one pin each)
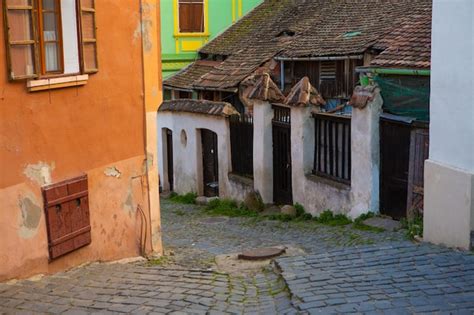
(177, 33)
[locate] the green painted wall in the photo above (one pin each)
(179, 51)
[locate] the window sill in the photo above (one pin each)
(328, 181)
(192, 34)
(56, 83)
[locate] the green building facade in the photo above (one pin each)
(186, 25)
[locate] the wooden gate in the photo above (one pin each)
(210, 163)
(394, 162)
(419, 150)
(281, 127)
(169, 157)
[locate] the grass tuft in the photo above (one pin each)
(328, 218)
(189, 198)
(361, 226)
(414, 227)
(228, 207)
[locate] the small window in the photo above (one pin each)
(191, 16)
(184, 95)
(332, 151)
(43, 36)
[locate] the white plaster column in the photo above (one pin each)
(365, 150)
(224, 156)
(262, 150)
(449, 172)
(302, 150)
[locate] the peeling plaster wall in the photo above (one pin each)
(239, 187)
(188, 158)
(317, 194)
(98, 130)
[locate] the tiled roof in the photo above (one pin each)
(199, 107)
(304, 28)
(188, 75)
(408, 46)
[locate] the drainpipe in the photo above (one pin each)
(394, 71)
(282, 75)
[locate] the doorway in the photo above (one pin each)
(394, 167)
(169, 158)
(281, 130)
(210, 163)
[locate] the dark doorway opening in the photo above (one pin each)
(281, 130)
(394, 167)
(169, 157)
(210, 163)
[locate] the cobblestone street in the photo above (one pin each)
(338, 270)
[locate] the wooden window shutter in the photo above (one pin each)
(21, 39)
(67, 216)
(88, 31)
(191, 16)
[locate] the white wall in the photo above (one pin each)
(452, 84)
(449, 172)
(317, 194)
(187, 159)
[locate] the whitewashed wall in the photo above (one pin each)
(187, 156)
(317, 194)
(449, 172)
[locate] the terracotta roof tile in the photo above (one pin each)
(185, 78)
(409, 45)
(313, 28)
(199, 107)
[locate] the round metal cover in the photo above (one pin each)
(215, 220)
(261, 253)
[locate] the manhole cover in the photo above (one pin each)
(261, 253)
(215, 220)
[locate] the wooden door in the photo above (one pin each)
(394, 164)
(281, 127)
(419, 150)
(210, 163)
(169, 157)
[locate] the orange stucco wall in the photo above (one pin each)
(54, 135)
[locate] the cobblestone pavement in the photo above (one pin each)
(401, 278)
(343, 270)
(195, 242)
(130, 288)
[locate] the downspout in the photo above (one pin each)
(149, 22)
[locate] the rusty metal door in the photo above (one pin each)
(210, 163)
(281, 130)
(169, 156)
(394, 163)
(67, 216)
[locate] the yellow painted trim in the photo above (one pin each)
(233, 11)
(192, 35)
(240, 8)
(191, 45)
(177, 33)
